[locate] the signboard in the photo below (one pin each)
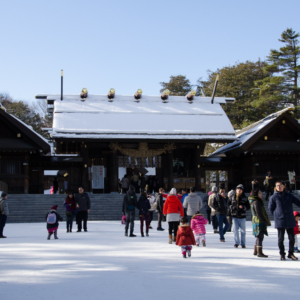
(98, 177)
(292, 177)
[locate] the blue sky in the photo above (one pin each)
(129, 44)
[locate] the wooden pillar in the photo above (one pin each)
(41, 180)
(26, 178)
(113, 173)
(197, 169)
(170, 170)
(85, 165)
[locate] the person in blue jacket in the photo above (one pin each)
(281, 207)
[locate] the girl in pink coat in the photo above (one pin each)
(198, 223)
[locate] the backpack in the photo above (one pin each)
(51, 218)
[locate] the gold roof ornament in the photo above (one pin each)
(138, 94)
(165, 95)
(84, 94)
(190, 95)
(111, 94)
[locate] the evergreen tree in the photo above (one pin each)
(281, 86)
(178, 85)
(237, 81)
(25, 113)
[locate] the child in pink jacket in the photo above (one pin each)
(198, 226)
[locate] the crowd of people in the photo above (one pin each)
(186, 225)
(140, 182)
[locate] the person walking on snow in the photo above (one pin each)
(4, 212)
(83, 204)
(220, 206)
(214, 219)
(52, 219)
(192, 203)
(206, 206)
(238, 205)
(129, 205)
(185, 237)
(260, 221)
(144, 205)
(198, 226)
(70, 210)
(173, 210)
(159, 200)
(281, 207)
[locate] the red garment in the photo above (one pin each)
(296, 229)
(173, 206)
(185, 236)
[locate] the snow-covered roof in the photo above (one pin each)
(248, 132)
(149, 118)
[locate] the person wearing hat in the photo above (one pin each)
(52, 219)
(3, 213)
(238, 205)
(214, 219)
(260, 221)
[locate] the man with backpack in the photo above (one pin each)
(3, 213)
(129, 205)
(83, 204)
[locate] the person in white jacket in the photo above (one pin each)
(192, 203)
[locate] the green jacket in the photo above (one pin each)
(260, 219)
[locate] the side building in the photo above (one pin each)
(271, 144)
(19, 146)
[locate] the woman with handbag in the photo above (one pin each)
(70, 210)
(144, 205)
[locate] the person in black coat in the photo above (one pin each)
(159, 209)
(52, 219)
(144, 205)
(207, 208)
(128, 209)
(219, 203)
(83, 205)
(281, 207)
(55, 185)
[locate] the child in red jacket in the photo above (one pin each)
(296, 231)
(185, 237)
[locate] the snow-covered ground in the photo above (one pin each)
(103, 264)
